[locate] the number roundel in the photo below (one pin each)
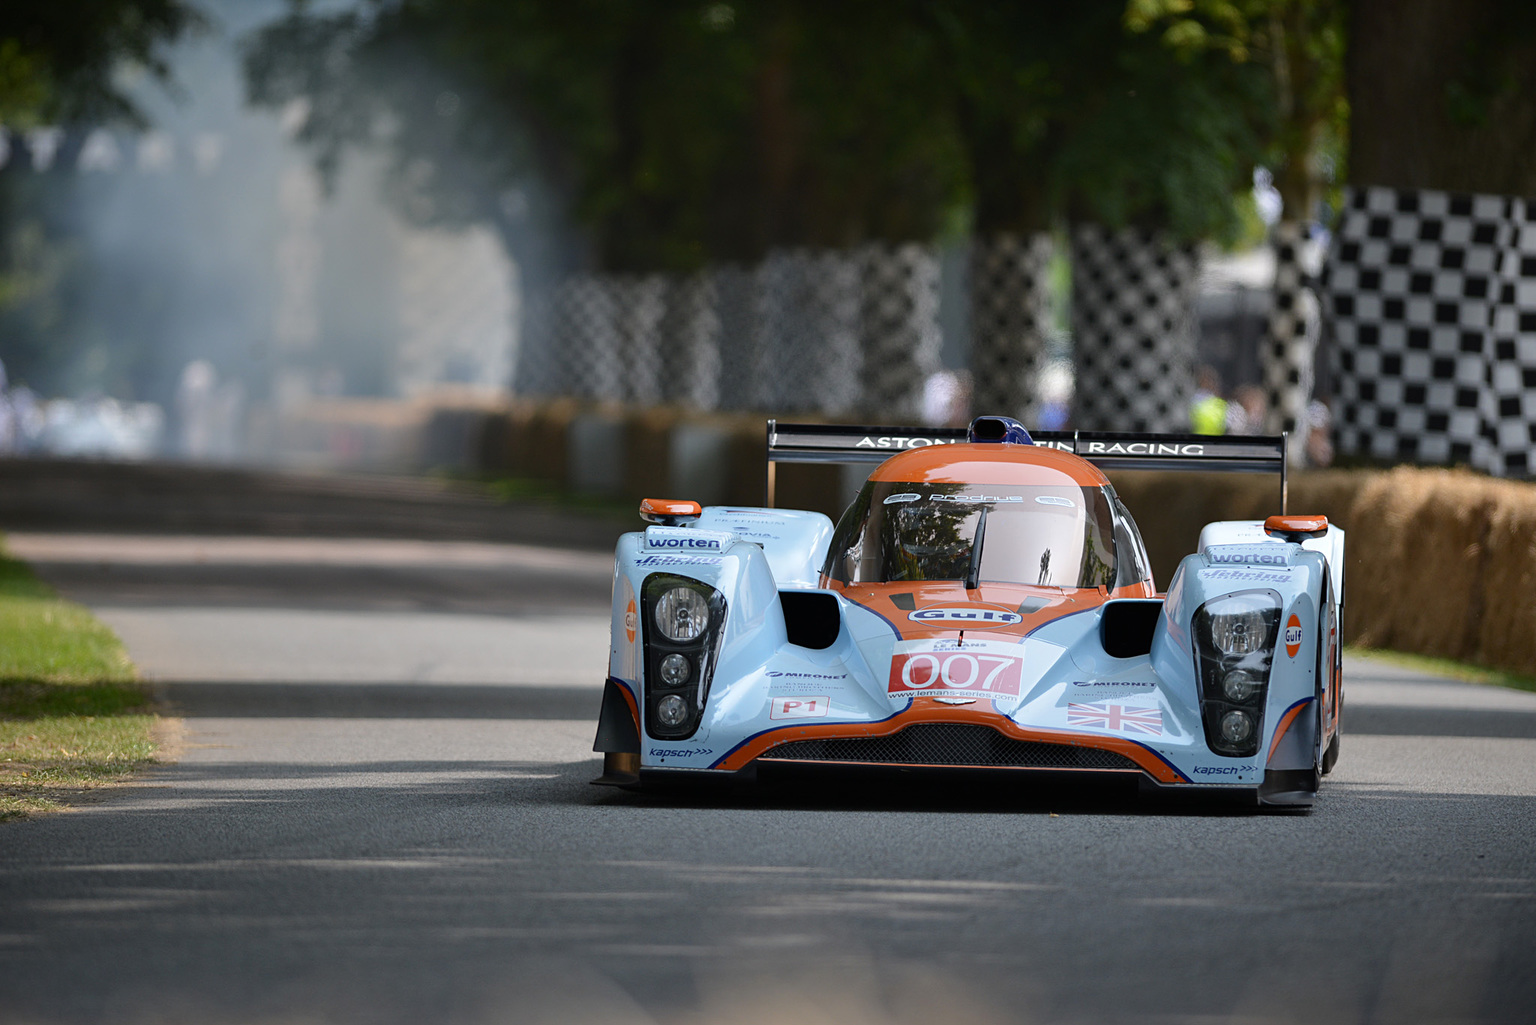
(982, 673)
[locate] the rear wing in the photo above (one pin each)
(1215, 453)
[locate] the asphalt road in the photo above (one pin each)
(382, 814)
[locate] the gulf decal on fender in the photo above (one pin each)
(630, 621)
(924, 710)
(1293, 635)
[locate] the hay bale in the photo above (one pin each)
(545, 448)
(1171, 508)
(1506, 626)
(648, 452)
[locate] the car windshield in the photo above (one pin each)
(1058, 536)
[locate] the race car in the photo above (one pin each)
(986, 602)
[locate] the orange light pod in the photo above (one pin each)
(669, 511)
(1293, 527)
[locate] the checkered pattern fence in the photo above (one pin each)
(1433, 300)
(838, 332)
(690, 347)
(1511, 416)
(585, 333)
(899, 307)
(735, 295)
(1010, 320)
(1295, 323)
(640, 307)
(1133, 295)
(807, 332)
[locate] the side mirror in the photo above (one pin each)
(669, 512)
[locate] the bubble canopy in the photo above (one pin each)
(1058, 534)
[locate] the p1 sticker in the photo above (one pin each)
(630, 621)
(814, 707)
(1292, 635)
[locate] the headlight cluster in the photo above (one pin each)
(1234, 646)
(682, 623)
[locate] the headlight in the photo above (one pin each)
(675, 670)
(1236, 727)
(1235, 639)
(682, 614)
(684, 622)
(1239, 685)
(672, 710)
(1238, 624)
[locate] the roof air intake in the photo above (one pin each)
(1004, 429)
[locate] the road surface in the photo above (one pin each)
(381, 814)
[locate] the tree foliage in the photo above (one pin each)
(1298, 48)
(674, 132)
(1441, 95)
(678, 132)
(59, 61)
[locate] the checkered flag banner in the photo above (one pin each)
(833, 332)
(537, 369)
(1010, 320)
(734, 291)
(639, 308)
(1431, 295)
(690, 343)
(1133, 297)
(586, 340)
(1295, 323)
(806, 332)
(901, 340)
(1510, 408)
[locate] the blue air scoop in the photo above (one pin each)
(1003, 429)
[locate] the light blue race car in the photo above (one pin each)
(985, 603)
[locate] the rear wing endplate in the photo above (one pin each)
(1108, 450)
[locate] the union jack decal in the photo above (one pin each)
(1104, 716)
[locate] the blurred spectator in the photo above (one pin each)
(947, 399)
(28, 417)
(226, 416)
(1208, 413)
(8, 425)
(1246, 411)
(101, 428)
(196, 409)
(1319, 427)
(1056, 386)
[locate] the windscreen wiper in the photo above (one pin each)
(973, 574)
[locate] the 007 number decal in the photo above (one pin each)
(955, 671)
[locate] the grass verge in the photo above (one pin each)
(1446, 667)
(72, 715)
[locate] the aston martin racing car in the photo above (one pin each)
(986, 602)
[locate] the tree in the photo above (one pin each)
(1441, 95)
(674, 133)
(58, 60)
(59, 66)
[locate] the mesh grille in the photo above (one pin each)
(949, 744)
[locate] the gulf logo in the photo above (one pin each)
(969, 615)
(1293, 635)
(629, 621)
